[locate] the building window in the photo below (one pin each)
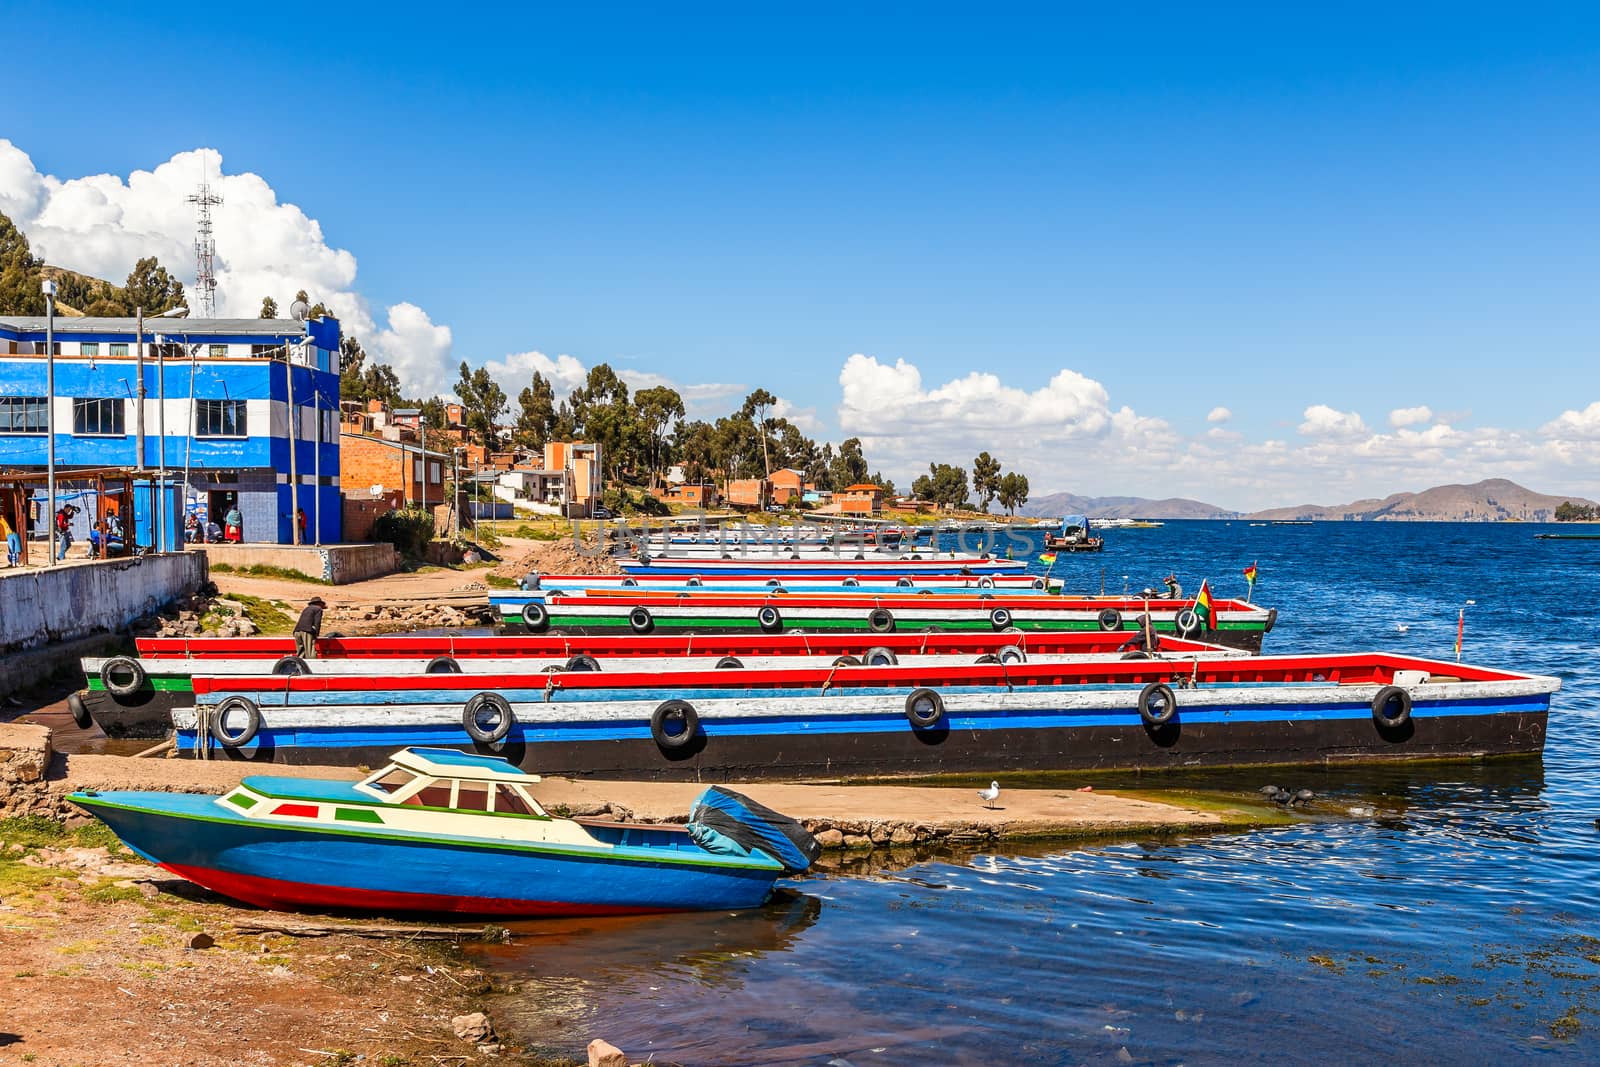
(89, 348)
(330, 427)
(97, 417)
(22, 414)
(219, 418)
(118, 349)
(219, 351)
(433, 472)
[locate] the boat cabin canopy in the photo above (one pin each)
(446, 778)
(1074, 522)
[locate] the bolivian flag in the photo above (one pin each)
(1202, 607)
(1047, 557)
(1250, 574)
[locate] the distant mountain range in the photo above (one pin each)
(1492, 500)
(1124, 507)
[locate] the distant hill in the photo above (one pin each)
(1492, 500)
(1123, 507)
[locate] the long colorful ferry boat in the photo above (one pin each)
(758, 584)
(439, 831)
(856, 564)
(133, 696)
(1234, 622)
(890, 720)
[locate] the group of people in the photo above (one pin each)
(231, 532)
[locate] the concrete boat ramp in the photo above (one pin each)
(34, 779)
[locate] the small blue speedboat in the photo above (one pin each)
(439, 831)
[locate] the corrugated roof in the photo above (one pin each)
(277, 328)
(860, 487)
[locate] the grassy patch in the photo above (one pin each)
(268, 615)
(34, 832)
(263, 570)
(494, 581)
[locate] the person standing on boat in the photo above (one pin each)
(308, 628)
(1174, 590)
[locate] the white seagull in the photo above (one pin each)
(990, 795)
(1402, 626)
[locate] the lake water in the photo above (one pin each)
(1456, 924)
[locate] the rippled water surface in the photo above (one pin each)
(1455, 924)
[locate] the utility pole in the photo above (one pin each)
(48, 287)
(294, 477)
(138, 413)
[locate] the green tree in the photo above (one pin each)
(696, 445)
(1013, 492)
(757, 406)
(269, 308)
(483, 402)
(985, 479)
(943, 484)
(849, 466)
(657, 407)
(150, 287)
(19, 273)
(536, 414)
(601, 414)
(885, 484)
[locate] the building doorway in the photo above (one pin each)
(218, 503)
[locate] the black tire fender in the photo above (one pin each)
(1038, 583)
(668, 711)
(80, 711)
(535, 616)
(1187, 623)
(999, 618)
(1272, 620)
(134, 670)
(730, 663)
(1157, 704)
(639, 620)
(1136, 654)
(846, 661)
(1110, 620)
(880, 621)
(1010, 654)
(850, 583)
(582, 661)
(879, 656)
(1391, 696)
(986, 582)
(769, 619)
(492, 702)
(903, 583)
(924, 708)
(219, 724)
(443, 665)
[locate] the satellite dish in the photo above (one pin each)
(298, 310)
(375, 490)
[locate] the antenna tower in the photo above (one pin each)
(205, 249)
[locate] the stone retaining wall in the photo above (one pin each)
(49, 604)
(335, 564)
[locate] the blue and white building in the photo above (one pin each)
(225, 401)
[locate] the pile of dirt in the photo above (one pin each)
(556, 557)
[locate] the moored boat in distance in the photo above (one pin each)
(894, 719)
(1234, 622)
(440, 831)
(772, 565)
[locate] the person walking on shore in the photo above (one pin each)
(64, 527)
(13, 543)
(307, 629)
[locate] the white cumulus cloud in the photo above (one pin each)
(565, 373)
(1323, 421)
(101, 224)
(1581, 425)
(1420, 415)
(1219, 414)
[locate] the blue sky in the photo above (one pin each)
(1248, 207)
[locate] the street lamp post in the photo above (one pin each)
(160, 522)
(48, 287)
